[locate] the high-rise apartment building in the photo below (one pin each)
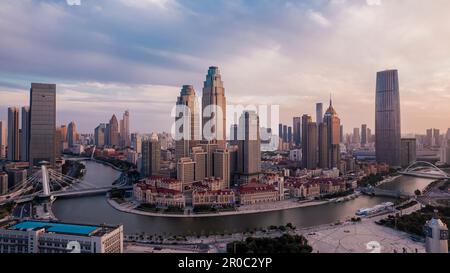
(186, 171)
(387, 118)
(3, 139)
(214, 108)
(13, 134)
(309, 143)
(323, 145)
(151, 156)
(25, 135)
(222, 166)
(125, 137)
(199, 156)
(408, 151)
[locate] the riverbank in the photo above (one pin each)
(130, 207)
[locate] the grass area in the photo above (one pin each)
(6, 210)
(284, 244)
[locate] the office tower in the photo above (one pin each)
(186, 171)
(58, 141)
(3, 139)
(136, 142)
(199, 157)
(436, 138)
(125, 138)
(333, 130)
(25, 133)
(319, 113)
(429, 138)
(64, 133)
(151, 156)
(364, 135)
(280, 131)
(188, 116)
(387, 118)
(42, 123)
(249, 147)
(341, 134)
(369, 135)
(408, 151)
(234, 134)
(99, 135)
(289, 134)
(297, 130)
(113, 131)
(214, 108)
(222, 166)
(285, 133)
(323, 146)
(13, 134)
(356, 136)
(309, 143)
(209, 149)
(72, 134)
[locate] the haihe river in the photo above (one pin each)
(95, 210)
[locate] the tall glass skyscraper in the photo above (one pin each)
(42, 123)
(387, 118)
(214, 96)
(13, 134)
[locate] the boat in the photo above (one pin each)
(383, 207)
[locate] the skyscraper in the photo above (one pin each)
(356, 136)
(309, 143)
(387, 118)
(289, 134)
(297, 130)
(42, 123)
(151, 156)
(333, 131)
(214, 108)
(99, 135)
(188, 116)
(285, 133)
(125, 130)
(222, 166)
(113, 131)
(249, 147)
(323, 146)
(364, 140)
(25, 133)
(13, 134)
(408, 151)
(319, 113)
(72, 134)
(3, 139)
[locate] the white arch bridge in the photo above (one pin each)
(48, 183)
(425, 170)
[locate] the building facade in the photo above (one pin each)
(13, 134)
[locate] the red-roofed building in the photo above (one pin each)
(163, 182)
(254, 193)
(161, 197)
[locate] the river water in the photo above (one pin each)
(95, 210)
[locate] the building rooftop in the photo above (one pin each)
(62, 228)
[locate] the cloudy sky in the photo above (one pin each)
(110, 55)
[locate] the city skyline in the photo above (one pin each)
(262, 67)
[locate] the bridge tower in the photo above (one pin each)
(45, 182)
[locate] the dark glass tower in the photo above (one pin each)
(387, 118)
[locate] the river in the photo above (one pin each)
(95, 210)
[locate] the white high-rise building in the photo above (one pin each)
(436, 236)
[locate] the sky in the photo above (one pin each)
(107, 56)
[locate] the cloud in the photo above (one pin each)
(106, 55)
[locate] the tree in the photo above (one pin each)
(417, 192)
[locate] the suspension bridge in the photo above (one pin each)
(425, 169)
(48, 183)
